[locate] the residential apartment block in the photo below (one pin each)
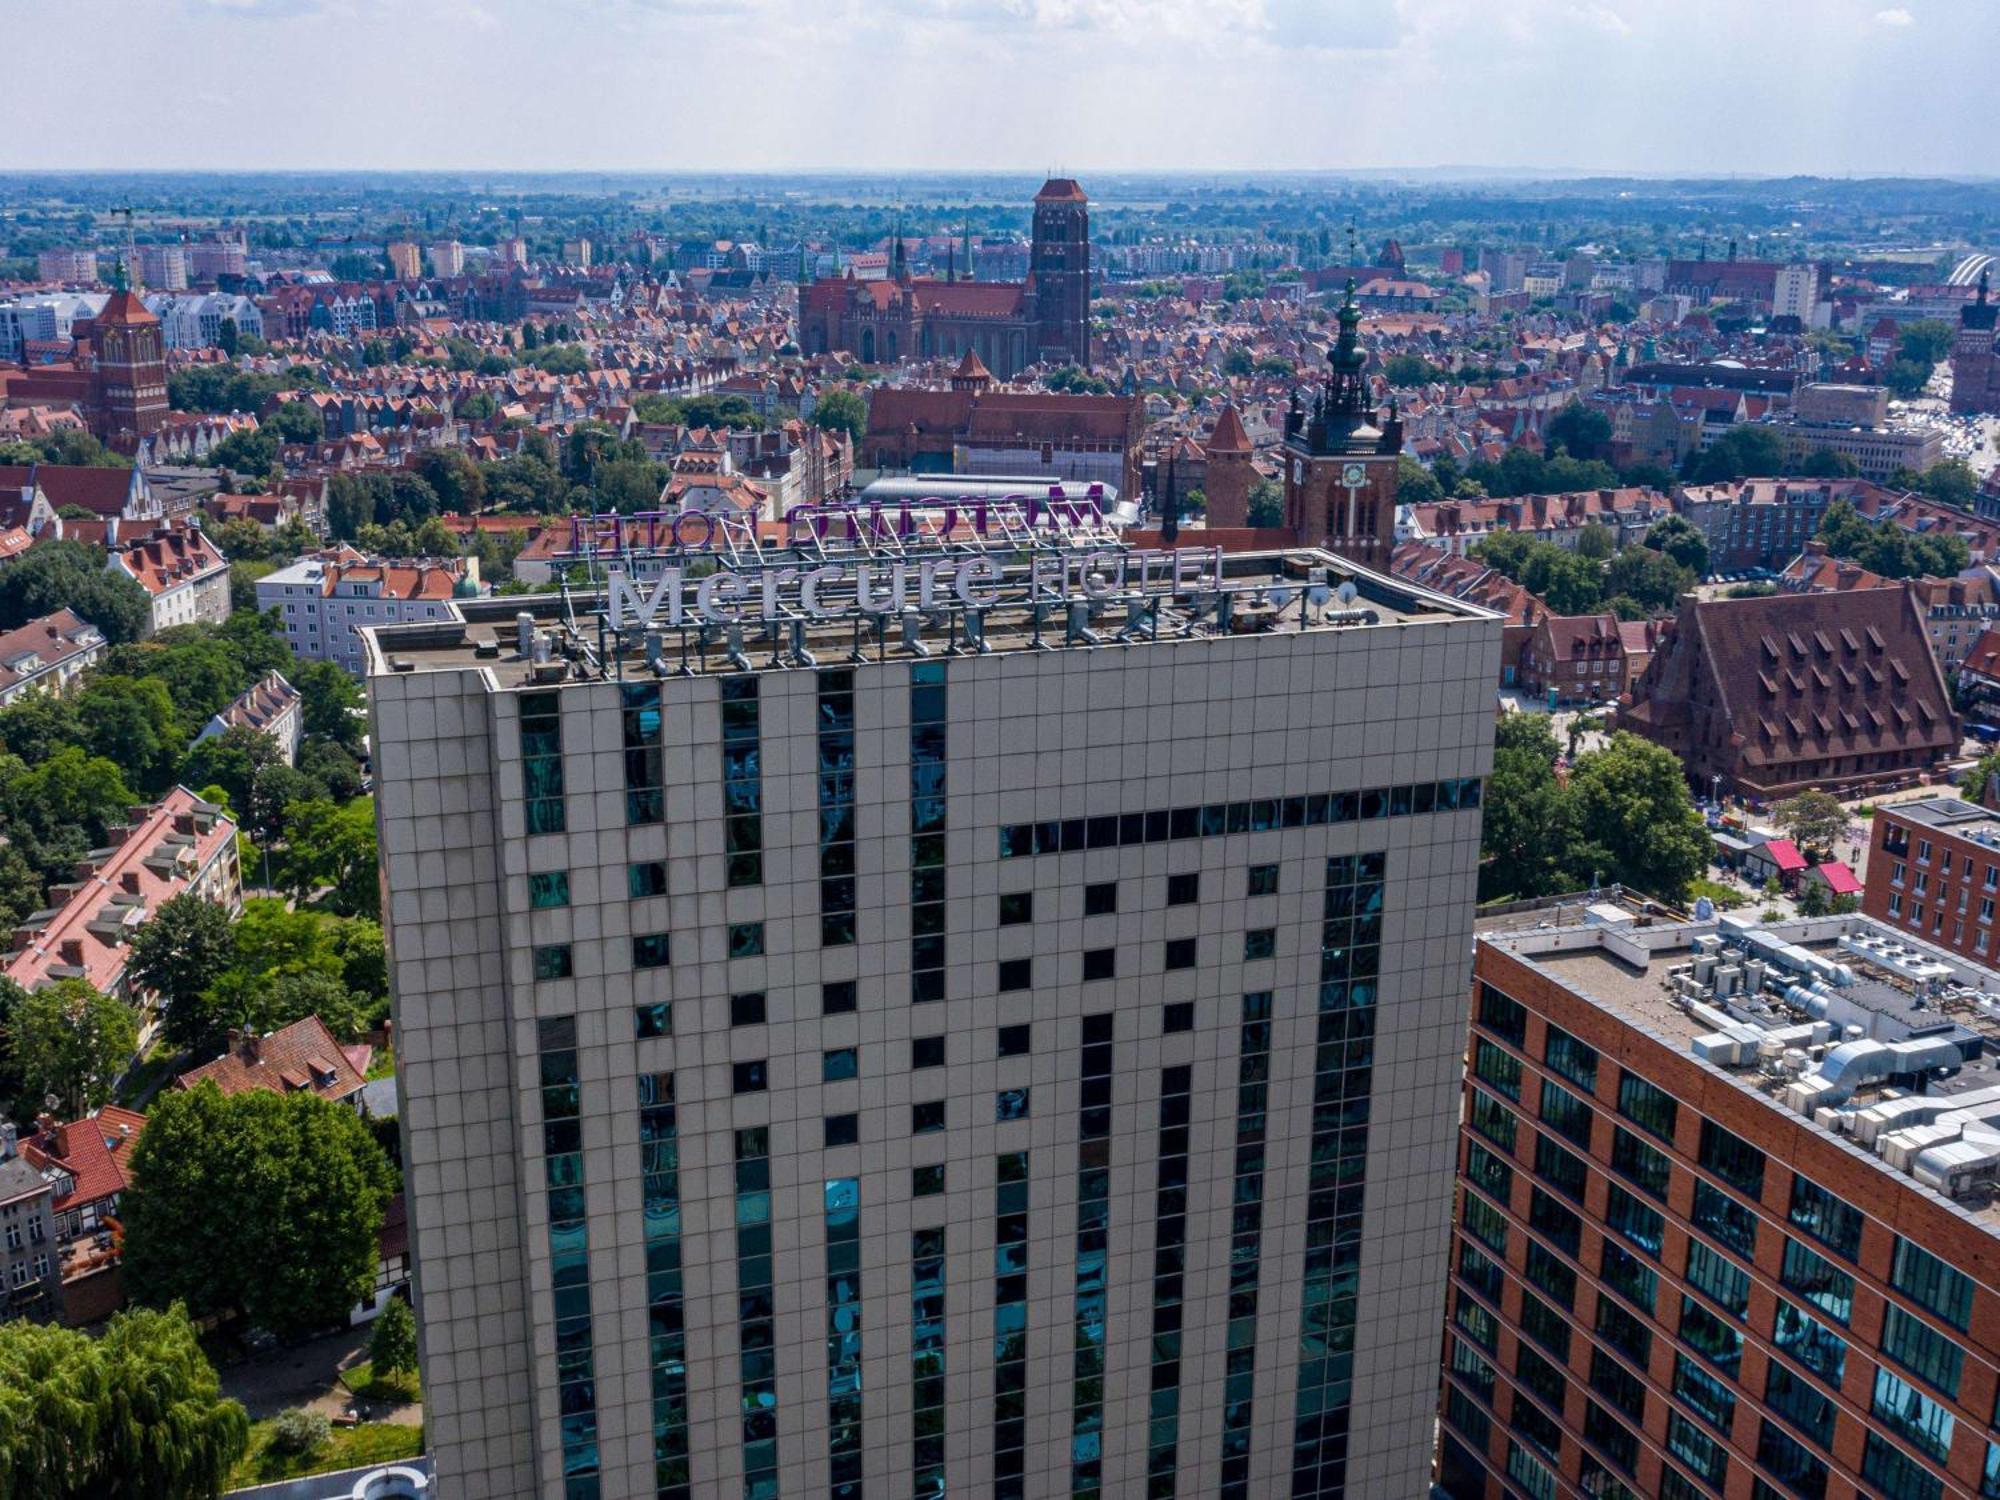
(29, 1279)
(1727, 1218)
(324, 600)
(184, 574)
(1934, 872)
(918, 1062)
(179, 844)
(47, 655)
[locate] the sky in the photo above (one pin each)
(1832, 87)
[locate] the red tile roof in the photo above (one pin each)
(93, 1152)
(302, 1055)
(157, 857)
(43, 644)
(1229, 436)
(170, 559)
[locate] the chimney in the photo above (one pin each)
(72, 952)
(130, 881)
(1816, 548)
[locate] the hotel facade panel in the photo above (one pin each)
(1727, 1223)
(992, 1072)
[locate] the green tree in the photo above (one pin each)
(477, 407)
(1926, 340)
(260, 1202)
(1677, 537)
(252, 451)
(1814, 819)
(1950, 482)
(330, 701)
(135, 1415)
(1743, 452)
(454, 478)
(1824, 463)
(72, 1042)
(1266, 505)
(1525, 830)
(1416, 485)
(295, 422)
(1579, 431)
(1634, 819)
(329, 847)
(1404, 370)
(562, 359)
(59, 575)
(132, 722)
(1906, 378)
(293, 997)
(1596, 541)
(1652, 580)
(231, 760)
(177, 955)
(841, 410)
(392, 1346)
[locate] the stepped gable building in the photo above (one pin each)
(1009, 325)
(1772, 696)
(1975, 368)
(1340, 462)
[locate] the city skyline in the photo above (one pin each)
(1104, 85)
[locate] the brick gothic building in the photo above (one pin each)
(1008, 325)
(1340, 467)
(122, 390)
(1975, 369)
(1772, 696)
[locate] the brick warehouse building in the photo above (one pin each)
(1771, 696)
(1705, 1246)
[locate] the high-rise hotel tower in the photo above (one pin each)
(998, 1041)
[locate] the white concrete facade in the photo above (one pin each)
(1086, 733)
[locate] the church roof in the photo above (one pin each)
(1229, 436)
(972, 367)
(124, 309)
(1061, 190)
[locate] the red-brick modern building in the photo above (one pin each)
(1934, 872)
(1727, 1222)
(1771, 696)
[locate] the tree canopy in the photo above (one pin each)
(1888, 549)
(840, 410)
(135, 1415)
(1623, 814)
(70, 1043)
(265, 1203)
(58, 575)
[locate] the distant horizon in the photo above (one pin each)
(1840, 89)
(1441, 172)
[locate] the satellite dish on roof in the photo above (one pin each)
(1346, 593)
(1280, 597)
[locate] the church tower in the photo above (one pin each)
(1974, 386)
(131, 368)
(1340, 465)
(1059, 273)
(1228, 473)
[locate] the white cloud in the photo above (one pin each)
(1894, 17)
(1602, 18)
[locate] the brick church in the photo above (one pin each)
(120, 385)
(1975, 368)
(1008, 325)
